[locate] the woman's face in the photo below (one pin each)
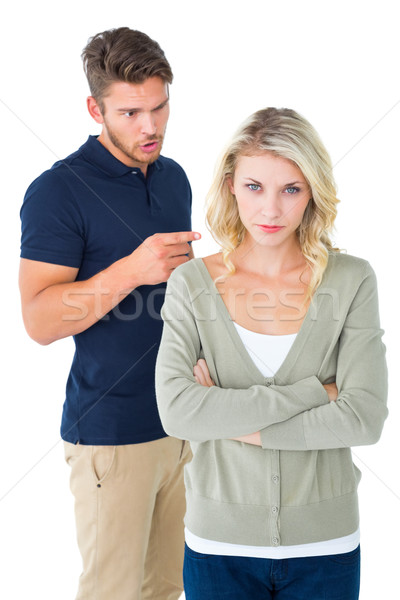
(272, 195)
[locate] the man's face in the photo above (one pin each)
(134, 118)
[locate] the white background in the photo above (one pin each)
(335, 62)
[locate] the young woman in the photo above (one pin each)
(289, 372)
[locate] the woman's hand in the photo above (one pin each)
(251, 438)
(202, 374)
(332, 391)
(255, 438)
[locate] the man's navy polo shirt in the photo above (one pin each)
(87, 212)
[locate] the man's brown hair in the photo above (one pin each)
(122, 54)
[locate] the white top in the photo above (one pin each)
(268, 353)
(335, 546)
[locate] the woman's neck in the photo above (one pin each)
(271, 261)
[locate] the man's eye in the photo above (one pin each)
(130, 113)
(254, 187)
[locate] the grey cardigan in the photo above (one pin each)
(301, 485)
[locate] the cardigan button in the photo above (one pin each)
(275, 541)
(274, 510)
(275, 478)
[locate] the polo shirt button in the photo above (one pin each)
(275, 541)
(275, 509)
(275, 478)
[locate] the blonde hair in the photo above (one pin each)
(284, 133)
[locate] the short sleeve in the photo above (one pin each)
(51, 223)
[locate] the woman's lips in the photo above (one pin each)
(270, 228)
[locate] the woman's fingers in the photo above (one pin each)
(198, 375)
(332, 391)
(202, 374)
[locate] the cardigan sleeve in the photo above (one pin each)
(358, 415)
(194, 412)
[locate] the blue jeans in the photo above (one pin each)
(332, 577)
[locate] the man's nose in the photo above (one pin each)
(148, 123)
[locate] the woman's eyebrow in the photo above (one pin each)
(253, 180)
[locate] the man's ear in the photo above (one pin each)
(94, 110)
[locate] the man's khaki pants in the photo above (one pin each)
(129, 508)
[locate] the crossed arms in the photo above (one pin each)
(298, 416)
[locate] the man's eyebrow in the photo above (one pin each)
(137, 110)
(123, 110)
(162, 104)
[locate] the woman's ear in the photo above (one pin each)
(229, 182)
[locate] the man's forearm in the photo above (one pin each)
(55, 306)
(66, 309)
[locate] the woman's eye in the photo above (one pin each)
(292, 190)
(254, 187)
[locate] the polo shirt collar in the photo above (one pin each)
(95, 153)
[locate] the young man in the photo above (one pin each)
(101, 232)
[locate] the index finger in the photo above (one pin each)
(180, 237)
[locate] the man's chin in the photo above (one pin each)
(146, 158)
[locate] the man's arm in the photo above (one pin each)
(55, 306)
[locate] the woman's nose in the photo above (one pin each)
(271, 205)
